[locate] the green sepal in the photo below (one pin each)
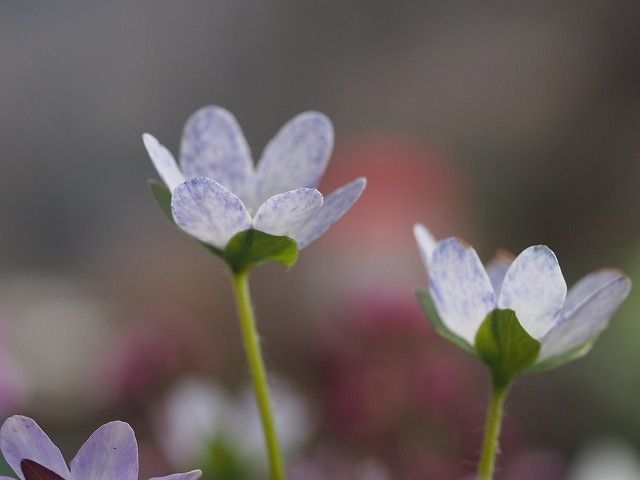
(163, 196)
(246, 249)
(222, 462)
(505, 346)
(424, 297)
(566, 357)
(252, 247)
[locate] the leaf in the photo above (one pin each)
(34, 471)
(505, 346)
(222, 462)
(252, 247)
(424, 297)
(573, 354)
(163, 196)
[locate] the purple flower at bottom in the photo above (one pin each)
(110, 453)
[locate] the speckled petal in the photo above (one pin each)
(286, 213)
(588, 316)
(296, 157)
(426, 243)
(21, 438)
(208, 211)
(335, 205)
(214, 146)
(192, 475)
(535, 289)
(460, 287)
(497, 269)
(163, 161)
(111, 452)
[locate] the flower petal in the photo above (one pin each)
(192, 475)
(111, 452)
(21, 437)
(208, 211)
(497, 269)
(460, 287)
(587, 286)
(286, 213)
(426, 243)
(335, 205)
(34, 471)
(214, 146)
(296, 157)
(589, 316)
(195, 413)
(535, 289)
(163, 161)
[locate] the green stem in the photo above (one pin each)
(490, 447)
(253, 353)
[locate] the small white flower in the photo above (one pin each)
(218, 192)
(197, 412)
(531, 285)
(610, 459)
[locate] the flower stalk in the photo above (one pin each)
(253, 352)
(493, 423)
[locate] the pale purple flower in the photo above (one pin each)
(218, 191)
(532, 285)
(110, 453)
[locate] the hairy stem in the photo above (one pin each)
(490, 446)
(251, 341)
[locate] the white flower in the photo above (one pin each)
(532, 285)
(606, 459)
(218, 192)
(197, 412)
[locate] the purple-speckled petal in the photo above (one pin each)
(460, 287)
(589, 316)
(286, 213)
(21, 437)
(192, 475)
(208, 211)
(163, 161)
(426, 243)
(214, 146)
(497, 269)
(296, 157)
(335, 205)
(2, 477)
(110, 453)
(535, 289)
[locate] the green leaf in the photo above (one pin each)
(163, 196)
(424, 297)
(573, 354)
(252, 247)
(222, 462)
(505, 346)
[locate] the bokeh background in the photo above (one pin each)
(506, 123)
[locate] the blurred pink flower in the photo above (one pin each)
(392, 388)
(148, 354)
(405, 180)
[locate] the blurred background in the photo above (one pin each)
(506, 123)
